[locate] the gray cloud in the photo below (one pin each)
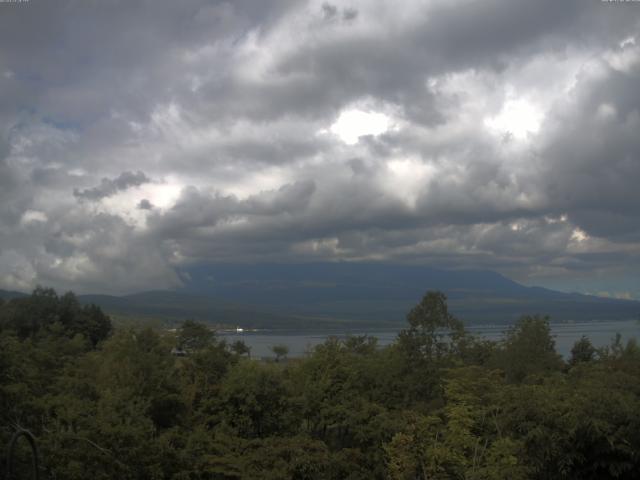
(229, 107)
(329, 11)
(145, 204)
(593, 153)
(349, 14)
(110, 186)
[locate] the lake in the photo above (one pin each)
(565, 334)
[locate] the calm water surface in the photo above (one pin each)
(600, 334)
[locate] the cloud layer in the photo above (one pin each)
(140, 138)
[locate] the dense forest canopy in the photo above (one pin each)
(438, 403)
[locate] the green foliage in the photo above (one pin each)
(193, 336)
(582, 351)
(254, 399)
(433, 332)
(433, 339)
(436, 404)
(44, 312)
(240, 348)
(529, 349)
(280, 351)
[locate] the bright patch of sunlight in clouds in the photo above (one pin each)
(353, 124)
(517, 117)
(408, 177)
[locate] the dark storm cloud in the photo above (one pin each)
(394, 65)
(593, 154)
(110, 186)
(229, 107)
(196, 211)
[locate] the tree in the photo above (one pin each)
(240, 348)
(274, 458)
(44, 313)
(529, 349)
(280, 351)
(432, 341)
(433, 332)
(360, 344)
(254, 400)
(582, 351)
(194, 336)
(460, 440)
(26, 316)
(435, 404)
(201, 374)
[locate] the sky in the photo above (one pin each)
(141, 138)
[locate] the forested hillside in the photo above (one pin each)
(436, 404)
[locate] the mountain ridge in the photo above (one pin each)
(340, 295)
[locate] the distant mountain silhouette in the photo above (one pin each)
(374, 292)
(8, 294)
(330, 295)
